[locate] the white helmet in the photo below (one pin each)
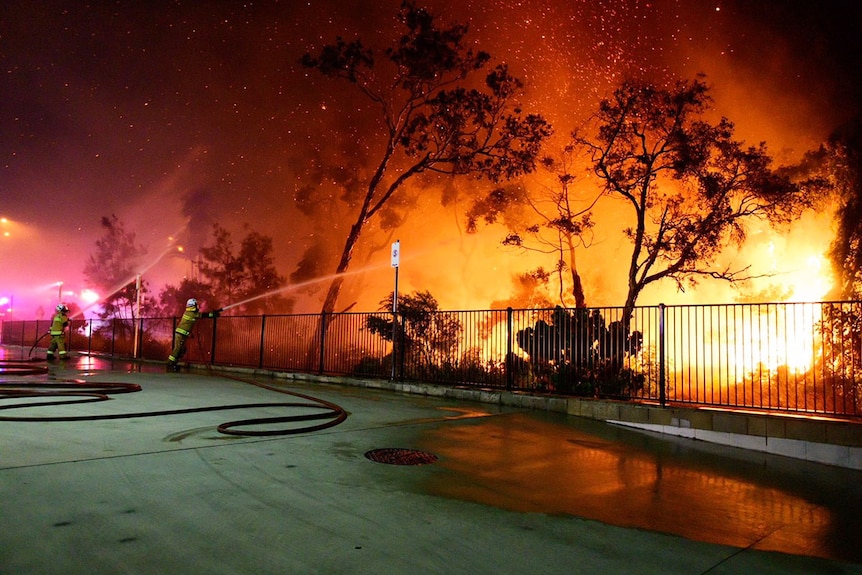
(62, 307)
(192, 302)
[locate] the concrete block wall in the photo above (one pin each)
(818, 439)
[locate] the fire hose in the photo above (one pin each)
(22, 367)
(78, 391)
(35, 343)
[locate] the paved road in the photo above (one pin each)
(144, 483)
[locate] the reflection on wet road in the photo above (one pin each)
(545, 464)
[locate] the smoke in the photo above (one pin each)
(177, 116)
(570, 55)
(199, 211)
(785, 73)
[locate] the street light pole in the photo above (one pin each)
(137, 314)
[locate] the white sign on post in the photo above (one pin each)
(396, 253)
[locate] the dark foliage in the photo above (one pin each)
(577, 353)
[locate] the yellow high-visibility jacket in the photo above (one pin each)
(59, 323)
(187, 322)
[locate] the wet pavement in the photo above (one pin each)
(98, 478)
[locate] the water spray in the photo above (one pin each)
(300, 285)
(114, 289)
(136, 279)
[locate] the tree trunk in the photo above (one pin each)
(343, 264)
(577, 284)
(634, 292)
(319, 336)
(578, 289)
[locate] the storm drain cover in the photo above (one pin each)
(398, 456)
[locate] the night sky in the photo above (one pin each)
(175, 115)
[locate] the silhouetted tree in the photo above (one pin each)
(577, 352)
(112, 268)
(550, 220)
(840, 159)
(432, 123)
(428, 336)
(840, 362)
(172, 299)
(837, 162)
(245, 278)
(690, 185)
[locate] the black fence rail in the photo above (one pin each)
(793, 357)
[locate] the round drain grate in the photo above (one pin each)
(397, 456)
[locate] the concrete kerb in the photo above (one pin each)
(817, 439)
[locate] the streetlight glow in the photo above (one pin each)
(89, 296)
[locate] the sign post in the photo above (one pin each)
(396, 262)
(137, 315)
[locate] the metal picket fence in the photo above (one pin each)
(791, 357)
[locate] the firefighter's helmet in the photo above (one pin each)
(62, 308)
(192, 302)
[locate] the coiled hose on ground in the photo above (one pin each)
(80, 391)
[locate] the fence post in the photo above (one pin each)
(262, 340)
(113, 336)
(213, 349)
(394, 337)
(661, 355)
(320, 365)
(402, 345)
(139, 339)
(510, 376)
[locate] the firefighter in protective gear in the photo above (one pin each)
(58, 332)
(184, 331)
